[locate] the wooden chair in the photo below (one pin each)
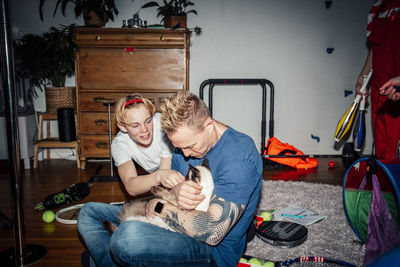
(51, 142)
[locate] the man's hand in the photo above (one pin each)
(187, 194)
(170, 178)
(389, 89)
(150, 207)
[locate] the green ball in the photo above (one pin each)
(255, 261)
(243, 260)
(48, 216)
(267, 216)
(269, 264)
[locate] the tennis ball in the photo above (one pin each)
(267, 216)
(243, 260)
(255, 261)
(269, 264)
(48, 216)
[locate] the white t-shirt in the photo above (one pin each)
(123, 148)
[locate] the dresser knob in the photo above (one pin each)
(98, 38)
(100, 122)
(102, 145)
(162, 38)
(98, 99)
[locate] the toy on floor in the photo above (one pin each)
(48, 216)
(263, 217)
(331, 164)
(282, 233)
(74, 192)
(371, 203)
(248, 261)
(277, 233)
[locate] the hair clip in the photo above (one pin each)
(132, 101)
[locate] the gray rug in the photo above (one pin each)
(330, 238)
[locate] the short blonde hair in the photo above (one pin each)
(184, 109)
(123, 105)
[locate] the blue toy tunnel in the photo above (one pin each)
(357, 193)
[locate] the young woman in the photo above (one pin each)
(141, 139)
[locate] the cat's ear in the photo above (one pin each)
(191, 171)
(205, 163)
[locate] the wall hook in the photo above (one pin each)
(328, 4)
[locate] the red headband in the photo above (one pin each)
(132, 101)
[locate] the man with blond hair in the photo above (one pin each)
(213, 238)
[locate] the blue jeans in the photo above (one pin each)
(137, 243)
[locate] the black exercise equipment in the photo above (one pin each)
(261, 82)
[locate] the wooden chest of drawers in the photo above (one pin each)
(113, 62)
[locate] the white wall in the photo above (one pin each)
(284, 41)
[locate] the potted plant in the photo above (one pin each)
(173, 12)
(94, 12)
(47, 60)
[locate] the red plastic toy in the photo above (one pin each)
(331, 164)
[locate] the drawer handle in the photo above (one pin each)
(101, 145)
(162, 38)
(100, 122)
(97, 38)
(98, 99)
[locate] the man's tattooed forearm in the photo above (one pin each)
(172, 220)
(209, 227)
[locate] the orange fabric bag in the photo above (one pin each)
(276, 147)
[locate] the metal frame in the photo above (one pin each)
(261, 82)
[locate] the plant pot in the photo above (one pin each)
(175, 21)
(91, 19)
(60, 97)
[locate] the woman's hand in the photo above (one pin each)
(389, 89)
(170, 178)
(187, 194)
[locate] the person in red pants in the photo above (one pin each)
(383, 32)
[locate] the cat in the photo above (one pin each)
(136, 209)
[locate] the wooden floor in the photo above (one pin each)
(62, 242)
